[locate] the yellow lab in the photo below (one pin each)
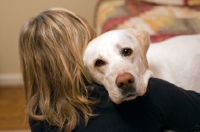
(123, 61)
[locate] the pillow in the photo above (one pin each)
(175, 2)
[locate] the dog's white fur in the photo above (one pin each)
(108, 59)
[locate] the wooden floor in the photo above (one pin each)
(12, 107)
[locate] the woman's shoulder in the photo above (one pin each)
(96, 91)
(156, 85)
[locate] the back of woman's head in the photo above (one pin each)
(51, 47)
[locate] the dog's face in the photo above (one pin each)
(117, 60)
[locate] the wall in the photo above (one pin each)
(13, 14)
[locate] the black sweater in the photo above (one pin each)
(164, 106)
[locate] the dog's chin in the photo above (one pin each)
(129, 97)
(133, 95)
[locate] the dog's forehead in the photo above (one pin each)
(109, 39)
(104, 44)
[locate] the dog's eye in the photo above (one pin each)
(127, 51)
(99, 63)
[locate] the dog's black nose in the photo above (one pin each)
(125, 81)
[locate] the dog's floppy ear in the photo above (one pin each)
(144, 41)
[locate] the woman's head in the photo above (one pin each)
(51, 47)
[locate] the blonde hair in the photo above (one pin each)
(51, 47)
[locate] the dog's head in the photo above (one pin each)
(117, 60)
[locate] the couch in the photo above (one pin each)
(161, 18)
